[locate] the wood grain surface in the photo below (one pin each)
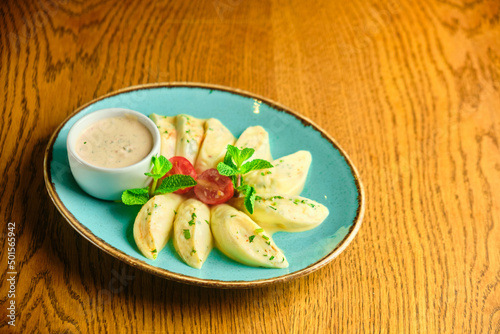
(410, 89)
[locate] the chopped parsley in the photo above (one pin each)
(250, 238)
(187, 234)
(271, 258)
(192, 222)
(259, 230)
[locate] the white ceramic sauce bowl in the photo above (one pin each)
(109, 183)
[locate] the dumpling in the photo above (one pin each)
(286, 213)
(288, 176)
(213, 149)
(192, 236)
(153, 224)
(242, 240)
(257, 138)
(168, 134)
(189, 136)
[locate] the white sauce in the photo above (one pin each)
(114, 142)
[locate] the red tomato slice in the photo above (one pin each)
(181, 165)
(213, 188)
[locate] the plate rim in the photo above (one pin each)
(181, 278)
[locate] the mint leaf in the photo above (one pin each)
(250, 199)
(137, 196)
(174, 183)
(161, 166)
(226, 170)
(243, 188)
(255, 165)
(250, 194)
(245, 154)
(232, 153)
(232, 167)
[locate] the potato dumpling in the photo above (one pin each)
(190, 133)
(288, 175)
(153, 224)
(276, 212)
(192, 236)
(213, 149)
(168, 134)
(241, 239)
(257, 138)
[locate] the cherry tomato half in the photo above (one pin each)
(181, 165)
(213, 188)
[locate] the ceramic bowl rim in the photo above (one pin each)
(73, 136)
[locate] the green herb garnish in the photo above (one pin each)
(235, 167)
(138, 196)
(250, 238)
(187, 234)
(192, 222)
(160, 167)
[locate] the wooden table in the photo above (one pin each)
(410, 89)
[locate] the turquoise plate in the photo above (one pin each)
(332, 181)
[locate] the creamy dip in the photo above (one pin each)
(114, 142)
